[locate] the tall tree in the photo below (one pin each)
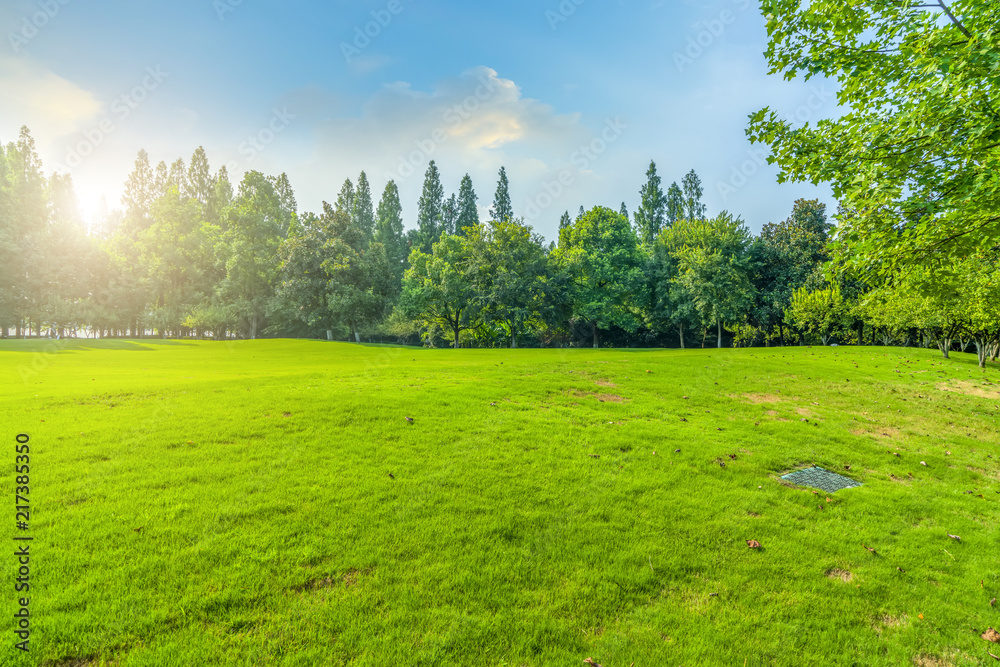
(714, 268)
(914, 157)
(389, 230)
(198, 184)
(509, 268)
(565, 221)
(438, 287)
(139, 192)
(468, 210)
(651, 215)
(601, 254)
(345, 199)
(449, 215)
(674, 204)
(693, 208)
(364, 213)
(429, 209)
(254, 229)
(502, 208)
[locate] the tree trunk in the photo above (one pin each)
(593, 326)
(253, 327)
(329, 334)
(719, 324)
(457, 330)
(981, 350)
(513, 337)
(357, 337)
(681, 329)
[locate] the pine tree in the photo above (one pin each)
(198, 185)
(565, 221)
(675, 204)
(468, 211)
(624, 211)
(582, 213)
(389, 229)
(693, 207)
(139, 188)
(177, 177)
(364, 214)
(449, 215)
(429, 209)
(649, 218)
(345, 199)
(502, 210)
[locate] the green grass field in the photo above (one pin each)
(268, 503)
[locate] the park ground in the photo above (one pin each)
(312, 503)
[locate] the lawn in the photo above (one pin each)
(269, 503)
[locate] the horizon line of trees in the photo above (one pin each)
(190, 255)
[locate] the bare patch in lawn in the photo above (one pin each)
(970, 389)
(762, 398)
(348, 579)
(610, 398)
(606, 383)
(924, 660)
(844, 575)
(891, 622)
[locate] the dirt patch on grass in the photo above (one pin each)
(891, 622)
(347, 579)
(605, 383)
(610, 398)
(78, 662)
(844, 575)
(762, 398)
(971, 389)
(932, 661)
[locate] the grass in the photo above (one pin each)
(232, 504)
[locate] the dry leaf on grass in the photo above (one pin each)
(991, 635)
(753, 544)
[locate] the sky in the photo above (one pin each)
(573, 97)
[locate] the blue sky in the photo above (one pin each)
(573, 97)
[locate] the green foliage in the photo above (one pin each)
(915, 160)
(694, 209)
(389, 230)
(429, 209)
(438, 287)
(600, 253)
(502, 209)
(823, 312)
(468, 210)
(650, 218)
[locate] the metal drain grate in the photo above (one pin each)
(818, 478)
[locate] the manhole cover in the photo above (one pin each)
(818, 478)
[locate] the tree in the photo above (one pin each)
(651, 214)
(255, 225)
(600, 253)
(363, 215)
(502, 209)
(345, 199)
(468, 211)
(823, 312)
(784, 256)
(693, 208)
(713, 268)
(624, 211)
(449, 215)
(565, 221)
(389, 230)
(914, 158)
(438, 289)
(198, 184)
(429, 209)
(508, 267)
(674, 204)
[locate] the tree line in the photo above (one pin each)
(187, 254)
